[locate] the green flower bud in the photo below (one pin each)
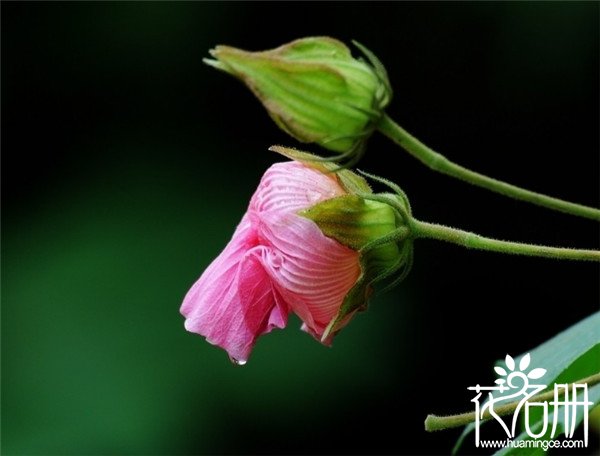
(375, 225)
(313, 89)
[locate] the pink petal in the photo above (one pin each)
(329, 339)
(277, 261)
(292, 186)
(234, 301)
(224, 266)
(315, 272)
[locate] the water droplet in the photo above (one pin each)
(237, 362)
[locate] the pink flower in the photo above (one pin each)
(277, 262)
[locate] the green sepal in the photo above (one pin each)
(375, 225)
(384, 94)
(376, 231)
(375, 267)
(351, 220)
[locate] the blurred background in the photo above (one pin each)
(127, 163)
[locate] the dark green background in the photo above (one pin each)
(127, 164)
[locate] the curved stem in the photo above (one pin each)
(439, 423)
(438, 162)
(475, 241)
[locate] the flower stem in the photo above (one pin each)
(438, 162)
(439, 423)
(475, 241)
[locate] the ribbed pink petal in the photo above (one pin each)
(291, 186)
(315, 272)
(329, 339)
(223, 268)
(277, 261)
(234, 301)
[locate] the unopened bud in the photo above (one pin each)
(313, 89)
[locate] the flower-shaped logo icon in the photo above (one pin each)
(511, 372)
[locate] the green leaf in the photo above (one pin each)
(593, 396)
(557, 355)
(586, 365)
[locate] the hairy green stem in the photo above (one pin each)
(475, 241)
(439, 423)
(438, 162)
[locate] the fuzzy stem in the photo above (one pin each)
(439, 423)
(438, 162)
(475, 241)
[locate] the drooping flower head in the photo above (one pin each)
(314, 89)
(302, 247)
